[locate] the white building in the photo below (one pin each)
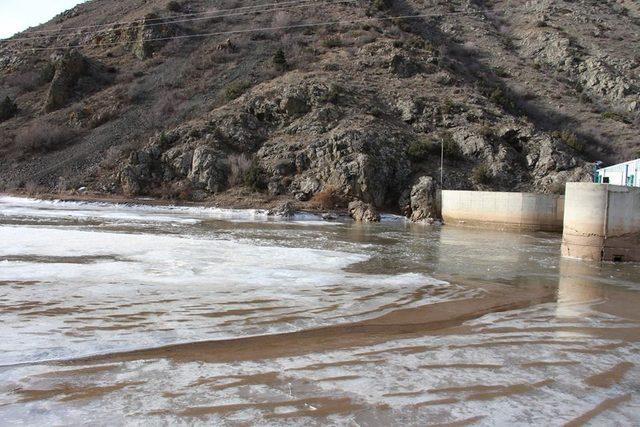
(627, 174)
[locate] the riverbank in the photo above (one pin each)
(235, 199)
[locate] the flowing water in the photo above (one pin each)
(113, 314)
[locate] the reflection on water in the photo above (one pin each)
(577, 293)
(161, 315)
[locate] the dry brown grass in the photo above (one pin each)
(42, 136)
(329, 198)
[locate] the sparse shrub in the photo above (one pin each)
(8, 109)
(501, 98)
(280, 60)
(25, 81)
(254, 176)
(32, 188)
(332, 42)
(481, 174)
(421, 149)
(47, 72)
(612, 115)
(501, 72)
(448, 107)
(239, 165)
(182, 190)
(382, 4)
(137, 94)
(102, 117)
(452, 150)
(558, 188)
(112, 157)
(235, 89)
(164, 140)
(179, 190)
(281, 19)
(44, 137)
(333, 94)
(328, 198)
(570, 139)
(167, 109)
(174, 6)
(487, 132)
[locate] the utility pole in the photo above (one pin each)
(442, 164)
(435, 126)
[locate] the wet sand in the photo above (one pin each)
(441, 318)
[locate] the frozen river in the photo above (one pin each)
(114, 314)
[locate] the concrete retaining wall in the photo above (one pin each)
(602, 222)
(524, 211)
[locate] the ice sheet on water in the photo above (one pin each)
(105, 291)
(16, 207)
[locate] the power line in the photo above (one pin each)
(304, 3)
(279, 28)
(141, 20)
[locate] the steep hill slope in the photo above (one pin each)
(323, 100)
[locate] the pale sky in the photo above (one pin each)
(18, 15)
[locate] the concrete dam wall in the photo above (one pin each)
(602, 222)
(520, 211)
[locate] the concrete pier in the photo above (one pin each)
(601, 222)
(519, 211)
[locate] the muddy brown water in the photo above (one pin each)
(154, 315)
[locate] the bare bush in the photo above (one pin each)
(328, 198)
(180, 190)
(168, 109)
(25, 82)
(44, 137)
(239, 164)
(281, 19)
(112, 157)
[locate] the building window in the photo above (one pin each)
(605, 180)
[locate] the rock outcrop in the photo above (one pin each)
(69, 68)
(145, 36)
(363, 212)
(602, 77)
(424, 205)
(284, 210)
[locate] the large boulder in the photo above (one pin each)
(129, 181)
(284, 210)
(363, 212)
(209, 169)
(424, 205)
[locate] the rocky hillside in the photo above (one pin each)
(323, 102)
